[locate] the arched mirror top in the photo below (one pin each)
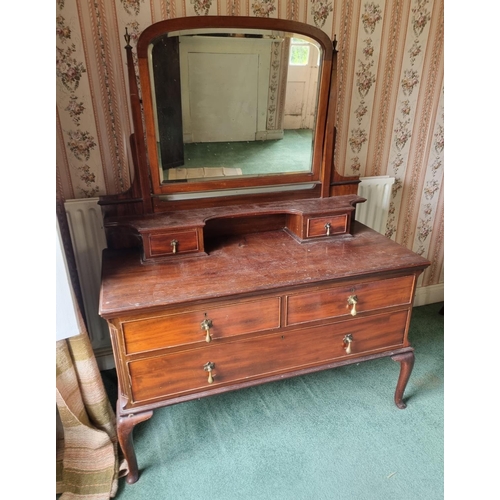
(234, 105)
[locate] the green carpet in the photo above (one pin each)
(330, 435)
(290, 154)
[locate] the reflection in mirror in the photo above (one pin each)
(236, 103)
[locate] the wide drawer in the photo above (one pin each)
(334, 302)
(182, 372)
(182, 328)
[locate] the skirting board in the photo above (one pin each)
(104, 358)
(423, 296)
(431, 294)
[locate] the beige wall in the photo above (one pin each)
(390, 115)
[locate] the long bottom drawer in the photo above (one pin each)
(183, 372)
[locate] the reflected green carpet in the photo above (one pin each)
(290, 154)
(330, 435)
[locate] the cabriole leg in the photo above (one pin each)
(125, 425)
(406, 361)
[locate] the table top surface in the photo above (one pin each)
(244, 265)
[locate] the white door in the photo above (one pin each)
(223, 96)
(302, 83)
(224, 87)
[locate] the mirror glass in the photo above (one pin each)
(233, 103)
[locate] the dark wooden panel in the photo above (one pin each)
(167, 81)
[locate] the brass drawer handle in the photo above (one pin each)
(208, 367)
(206, 324)
(328, 227)
(174, 244)
(352, 300)
(348, 340)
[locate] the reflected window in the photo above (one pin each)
(299, 52)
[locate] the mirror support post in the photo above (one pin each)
(336, 184)
(329, 142)
(139, 148)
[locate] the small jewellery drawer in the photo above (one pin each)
(158, 244)
(202, 325)
(183, 372)
(350, 299)
(326, 226)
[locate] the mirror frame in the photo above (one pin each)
(320, 172)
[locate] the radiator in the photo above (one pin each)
(88, 239)
(375, 210)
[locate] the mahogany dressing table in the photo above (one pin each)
(214, 284)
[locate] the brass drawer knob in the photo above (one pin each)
(328, 227)
(352, 300)
(174, 244)
(347, 343)
(208, 367)
(206, 324)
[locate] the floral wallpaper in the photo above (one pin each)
(78, 141)
(390, 115)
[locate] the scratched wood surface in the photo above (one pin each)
(246, 264)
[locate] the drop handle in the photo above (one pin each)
(328, 227)
(206, 324)
(208, 367)
(352, 300)
(347, 343)
(174, 244)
